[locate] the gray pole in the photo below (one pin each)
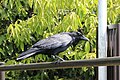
(2, 73)
(102, 37)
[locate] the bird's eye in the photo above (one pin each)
(78, 33)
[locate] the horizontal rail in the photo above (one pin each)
(110, 61)
(113, 26)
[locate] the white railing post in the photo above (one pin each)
(102, 37)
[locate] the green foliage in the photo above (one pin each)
(24, 22)
(113, 11)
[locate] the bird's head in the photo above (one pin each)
(79, 36)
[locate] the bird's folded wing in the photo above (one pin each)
(47, 44)
(53, 42)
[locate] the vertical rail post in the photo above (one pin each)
(2, 73)
(118, 48)
(102, 37)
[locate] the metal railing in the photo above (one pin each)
(2, 73)
(113, 50)
(110, 61)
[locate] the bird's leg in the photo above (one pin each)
(59, 58)
(73, 48)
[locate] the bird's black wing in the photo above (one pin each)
(55, 41)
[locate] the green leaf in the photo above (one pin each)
(1, 51)
(22, 46)
(2, 37)
(30, 2)
(87, 47)
(10, 62)
(11, 3)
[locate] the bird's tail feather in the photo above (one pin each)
(27, 54)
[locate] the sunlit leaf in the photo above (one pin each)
(87, 47)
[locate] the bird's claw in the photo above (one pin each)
(58, 61)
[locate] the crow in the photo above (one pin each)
(54, 44)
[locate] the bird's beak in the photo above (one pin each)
(84, 38)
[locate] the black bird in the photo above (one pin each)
(54, 45)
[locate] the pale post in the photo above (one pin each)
(102, 37)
